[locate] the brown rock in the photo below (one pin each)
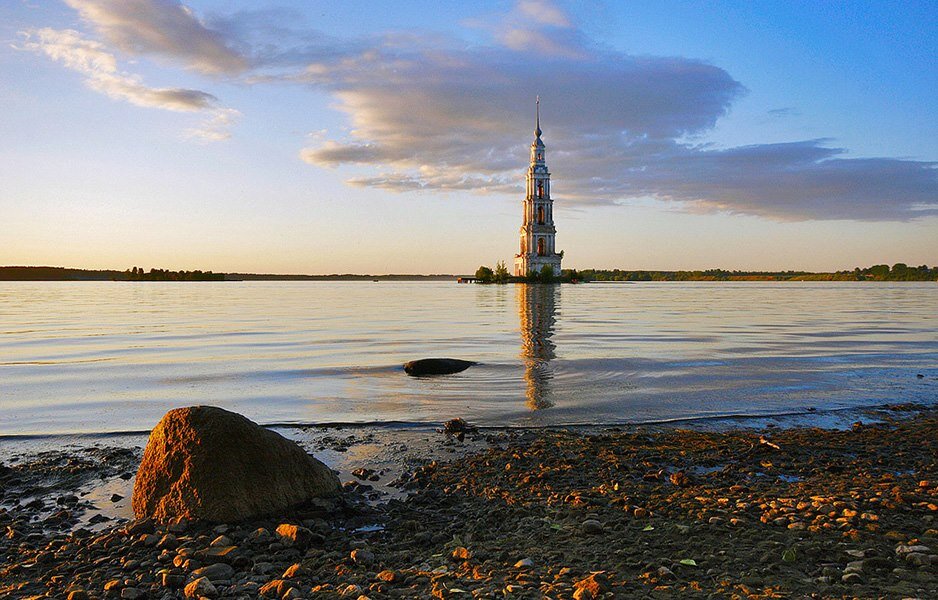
(680, 479)
(592, 587)
(200, 587)
(275, 589)
(295, 570)
(207, 463)
(217, 554)
(294, 534)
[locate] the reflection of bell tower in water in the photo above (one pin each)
(536, 310)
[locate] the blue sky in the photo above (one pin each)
(318, 137)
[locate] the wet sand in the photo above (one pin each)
(652, 511)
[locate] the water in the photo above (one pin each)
(94, 357)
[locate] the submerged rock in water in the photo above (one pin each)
(204, 462)
(436, 366)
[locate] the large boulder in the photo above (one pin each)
(436, 366)
(203, 462)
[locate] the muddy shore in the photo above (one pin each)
(638, 512)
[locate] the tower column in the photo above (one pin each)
(538, 234)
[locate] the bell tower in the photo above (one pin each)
(537, 225)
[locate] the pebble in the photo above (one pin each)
(295, 570)
(592, 527)
(172, 579)
(214, 554)
(902, 549)
(294, 534)
(524, 563)
(851, 578)
(200, 587)
(168, 542)
(919, 559)
(275, 588)
(216, 572)
(362, 557)
(259, 535)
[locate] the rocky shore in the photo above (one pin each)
(645, 512)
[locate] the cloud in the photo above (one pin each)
(92, 59)
(435, 116)
(431, 113)
(218, 127)
(784, 111)
(163, 27)
(787, 182)
(543, 13)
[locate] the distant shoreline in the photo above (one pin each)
(898, 272)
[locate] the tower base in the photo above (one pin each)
(525, 264)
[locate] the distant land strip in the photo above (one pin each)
(898, 272)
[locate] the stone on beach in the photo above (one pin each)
(207, 463)
(436, 366)
(200, 587)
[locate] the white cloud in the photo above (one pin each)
(162, 27)
(543, 13)
(430, 113)
(432, 116)
(92, 59)
(217, 127)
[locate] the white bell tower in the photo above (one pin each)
(537, 226)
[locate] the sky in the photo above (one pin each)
(393, 137)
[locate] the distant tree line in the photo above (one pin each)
(134, 274)
(338, 277)
(56, 274)
(138, 274)
(898, 272)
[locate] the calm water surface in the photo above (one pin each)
(91, 357)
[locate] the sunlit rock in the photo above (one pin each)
(207, 463)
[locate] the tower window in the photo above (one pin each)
(540, 189)
(540, 247)
(540, 215)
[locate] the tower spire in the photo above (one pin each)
(537, 112)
